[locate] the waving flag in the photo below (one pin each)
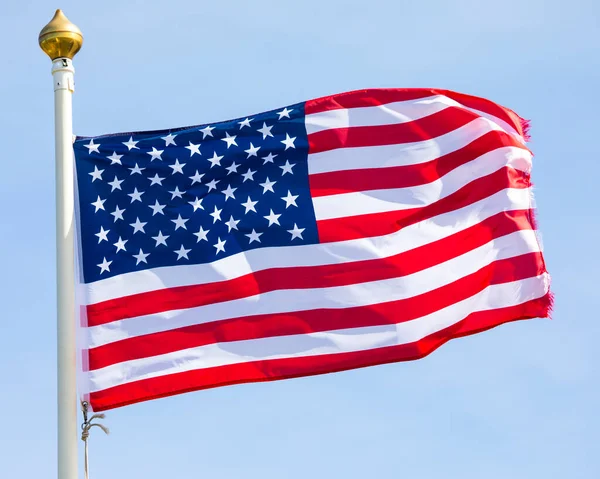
(352, 230)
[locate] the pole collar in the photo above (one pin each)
(64, 74)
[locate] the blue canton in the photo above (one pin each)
(193, 195)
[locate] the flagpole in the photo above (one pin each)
(61, 40)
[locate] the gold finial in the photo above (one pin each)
(60, 38)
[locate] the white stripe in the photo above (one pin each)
(397, 199)
(315, 344)
(394, 113)
(503, 125)
(336, 297)
(402, 154)
(308, 255)
(387, 114)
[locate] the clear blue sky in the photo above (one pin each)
(520, 401)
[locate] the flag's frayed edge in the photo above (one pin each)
(534, 225)
(525, 126)
(550, 301)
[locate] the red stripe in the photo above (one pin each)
(365, 98)
(379, 224)
(408, 262)
(304, 322)
(270, 370)
(422, 129)
(381, 96)
(337, 182)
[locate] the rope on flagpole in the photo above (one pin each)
(85, 432)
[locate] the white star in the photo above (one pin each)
(157, 180)
(99, 204)
(157, 208)
(104, 266)
(115, 184)
(178, 167)
(215, 160)
(120, 244)
(155, 154)
(244, 123)
(160, 239)
(197, 204)
(265, 130)
(269, 158)
(212, 185)
(267, 185)
(96, 174)
(233, 168)
(131, 144)
(102, 235)
(284, 113)
(207, 131)
(296, 232)
(216, 215)
(169, 139)
(287, 168)
(138, 226)
(228, 192)
(220, 246)
(202, 234)
(118, 214)
(197, 178)
(115, 159)
(249, 205)
(182, 253)
(273, 218)
(230, 140)
(290, 200)
(232, 224)
(136, 195)
(136, 169)
(289, 142)
(249, 175)
(91, 146)
(194, 148)
(176, 193)
(180, 222)
(254, 236)
(252, 151)
(141, 257)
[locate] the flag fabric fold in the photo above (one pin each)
(353, 230)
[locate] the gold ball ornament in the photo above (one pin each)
(60, 38)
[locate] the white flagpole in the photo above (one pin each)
(61, 40)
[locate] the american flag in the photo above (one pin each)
(356, 229)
